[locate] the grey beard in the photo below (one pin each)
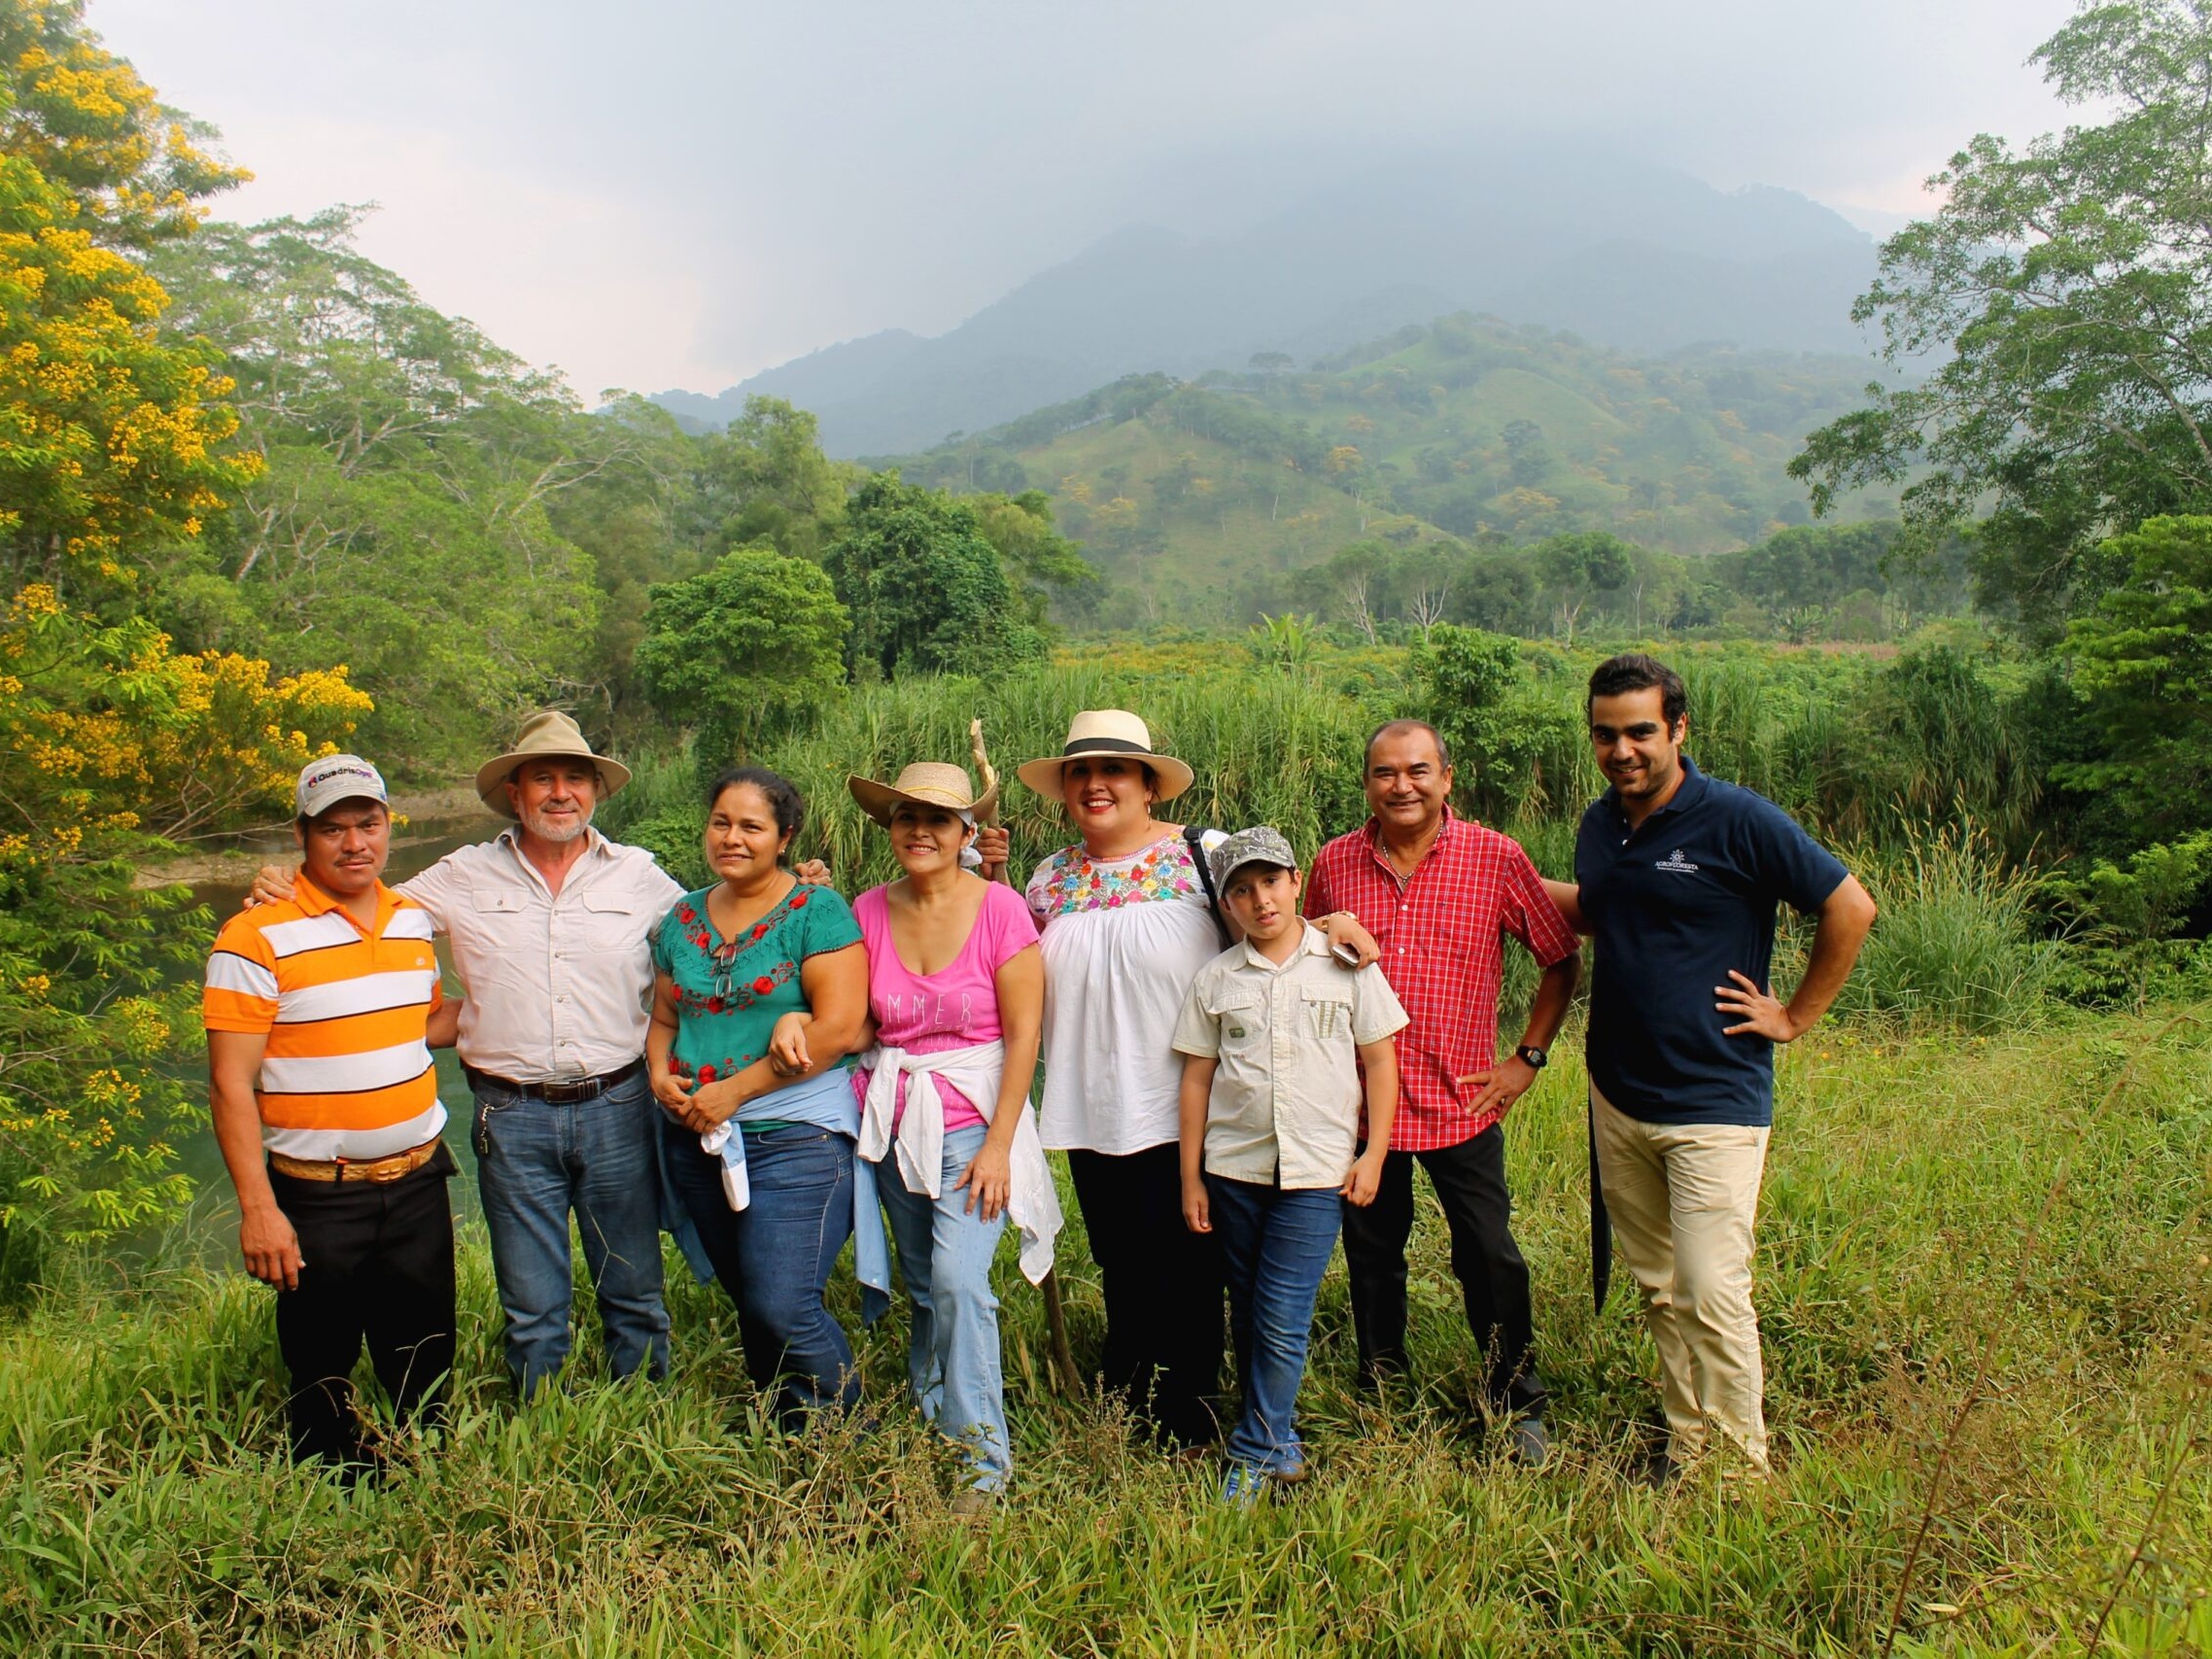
(538, 826)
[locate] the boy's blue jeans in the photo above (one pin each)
(538, 1161)
(1276, 1246)
(945, 1257)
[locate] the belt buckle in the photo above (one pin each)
(385, 1171)
(571, 1093)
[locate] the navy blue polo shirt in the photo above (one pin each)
(1671, 907)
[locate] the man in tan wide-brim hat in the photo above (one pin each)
(544, 736)
(549, 923)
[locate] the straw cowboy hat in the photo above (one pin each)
(927, 782)
(547, 733)
(1107, 731)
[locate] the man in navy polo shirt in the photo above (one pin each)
(1678, 876)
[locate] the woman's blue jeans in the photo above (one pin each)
(945, 1257)
(536, 1161)
(1276, 1246)
(775, 1255)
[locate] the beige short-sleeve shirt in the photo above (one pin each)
(1285, 1107)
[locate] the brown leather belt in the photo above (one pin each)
(375, 1169)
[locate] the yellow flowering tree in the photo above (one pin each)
(108, 742)
(112, 441)
(110, 432)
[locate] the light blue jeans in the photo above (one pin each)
(945, 1257)
(535, 1162)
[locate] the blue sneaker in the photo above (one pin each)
(1245, 1488)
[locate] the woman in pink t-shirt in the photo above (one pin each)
(956, 993)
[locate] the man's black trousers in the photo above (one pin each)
(1470, 1180)
(380, 1268)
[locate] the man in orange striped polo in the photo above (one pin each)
(321, 1012)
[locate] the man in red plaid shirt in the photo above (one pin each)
(1440, 892)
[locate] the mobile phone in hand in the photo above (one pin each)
(1345, 953)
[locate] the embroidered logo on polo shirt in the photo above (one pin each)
(1675, 862)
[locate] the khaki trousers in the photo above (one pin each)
(1682, 1198)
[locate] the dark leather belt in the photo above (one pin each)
(572, 1093)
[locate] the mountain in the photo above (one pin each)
(1467, 428)
(1619, 251)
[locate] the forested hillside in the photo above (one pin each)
(1464, 434)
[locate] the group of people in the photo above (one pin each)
(1244, 1056)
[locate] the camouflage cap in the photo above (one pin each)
(1262, 844)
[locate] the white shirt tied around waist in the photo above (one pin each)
(560, 985)
(977, 1072)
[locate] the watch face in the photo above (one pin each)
(1535, 1057)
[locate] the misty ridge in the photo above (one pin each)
(1625, 252)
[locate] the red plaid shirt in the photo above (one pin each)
(1442, 937)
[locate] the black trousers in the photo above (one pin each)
(1470, 1180)
(1164, 1287)
(380, 1268)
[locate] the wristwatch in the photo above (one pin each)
(1536, 1059)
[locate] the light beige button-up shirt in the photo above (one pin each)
(560, 985)
(1285, 1108)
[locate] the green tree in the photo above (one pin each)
(765, 478)
(925, 587)
(743, 650)
(405, 459)
(2068, 289)
(1043, 567)
(2142, 667)
(1514, 746)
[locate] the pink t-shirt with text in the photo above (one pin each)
(953, 1008)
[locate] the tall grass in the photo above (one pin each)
(1959, 941)
(146, 1508)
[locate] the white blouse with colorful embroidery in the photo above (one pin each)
(1122, 939)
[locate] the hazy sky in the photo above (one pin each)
(678, 192)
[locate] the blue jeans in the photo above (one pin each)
(536, 1161)
(1276, 1247)
(944, 1258)
(773, 1257)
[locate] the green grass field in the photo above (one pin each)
(2016, 1223)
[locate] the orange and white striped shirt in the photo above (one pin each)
(347, 1072)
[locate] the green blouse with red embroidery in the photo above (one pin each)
(729, 993)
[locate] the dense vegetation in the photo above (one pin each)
(261, 500)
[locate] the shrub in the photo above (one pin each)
(1957, 943)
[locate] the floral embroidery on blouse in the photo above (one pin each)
(733, 991)
(1070, 881)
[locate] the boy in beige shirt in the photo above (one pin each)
(1273, 1039)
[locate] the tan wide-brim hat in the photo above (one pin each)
(929, 782)
(1104, 732)
(546, 734)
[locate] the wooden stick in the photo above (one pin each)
(1056, 1314)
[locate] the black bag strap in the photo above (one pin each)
(1193, 837)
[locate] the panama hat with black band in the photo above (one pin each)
(1107, 734)
(548, 734)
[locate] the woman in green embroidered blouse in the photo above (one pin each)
(761, 991)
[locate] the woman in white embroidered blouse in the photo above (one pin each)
(1126, 926)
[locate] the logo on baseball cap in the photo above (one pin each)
(335, 777)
